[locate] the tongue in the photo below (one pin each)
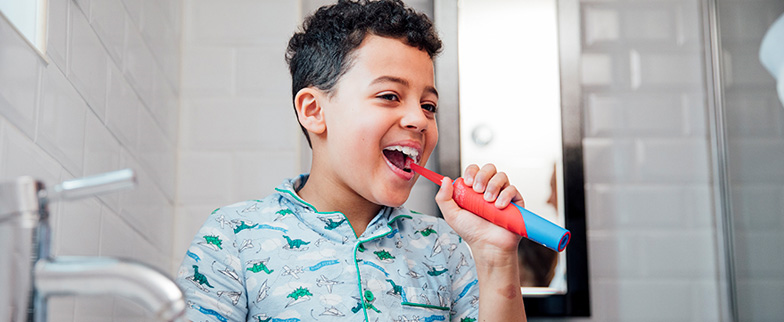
(397, 158)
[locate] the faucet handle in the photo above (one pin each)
(92, 185)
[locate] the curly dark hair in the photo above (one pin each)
(320, 53)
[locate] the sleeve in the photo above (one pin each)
(210, 274)
(465, 288)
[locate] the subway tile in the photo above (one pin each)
(61, 121)
(641, 300)
(101, 154)
(138, 65)
(23, 158)
(631, 113)
(78, 229)
(600, 24)
(262, 71)
(87, 67)
(207, 71)
(205, 177)
(670, 70)
(758, 253)
(596, 69)
(649, 23)
(608, 160)
(688, 29)
(758, 299)
(122, 110)
(238, 124)
(116, 235)
(156, 153)
(696, 113)
(166, 108)
(84, 7)
(93, 308)
(57, 32)
(682, 161)
(750, 114)
(752, 160)
(109, 21)
(134, 9)
(240, 22)
(615, 255)
(256, 174)
(126, 310)
(19, 80)
(682, 253)
(757, 207)
(60, 309)
(145, 208)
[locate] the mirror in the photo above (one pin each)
(509, 71)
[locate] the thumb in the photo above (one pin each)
(444, 198)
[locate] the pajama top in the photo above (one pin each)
(279, 259)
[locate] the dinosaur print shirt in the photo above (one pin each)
(278, 259)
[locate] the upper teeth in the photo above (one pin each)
(408, 151)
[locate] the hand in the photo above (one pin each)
(480, 234)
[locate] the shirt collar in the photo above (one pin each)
(331, 225)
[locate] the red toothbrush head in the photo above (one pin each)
(430, 175)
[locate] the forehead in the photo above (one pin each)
(392, 57)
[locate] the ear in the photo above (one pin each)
(310, 114)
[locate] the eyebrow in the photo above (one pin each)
(393, 79)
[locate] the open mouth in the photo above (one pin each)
(401, 156)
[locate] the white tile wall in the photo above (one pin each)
(96, 106)
(755, 123)
(651, 235)
(238, 137)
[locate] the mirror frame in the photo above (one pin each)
(576, 301)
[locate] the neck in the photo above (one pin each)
(328, 195)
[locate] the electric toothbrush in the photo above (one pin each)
(515, 219)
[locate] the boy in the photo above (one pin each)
(336, 243)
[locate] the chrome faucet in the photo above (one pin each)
(29, 274)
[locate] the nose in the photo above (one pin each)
(414, 118)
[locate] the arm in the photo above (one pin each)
(494, 248)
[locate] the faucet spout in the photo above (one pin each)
(66, 275)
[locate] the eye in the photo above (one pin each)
(389, 97)
(430, 108)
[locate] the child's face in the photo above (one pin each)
(385, 102)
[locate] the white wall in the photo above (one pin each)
(238, 137)
(107, 99)
(651, 238)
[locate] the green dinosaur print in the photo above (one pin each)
(361, 248)
(435, 272)
(242, 226)
(396, 289)
(199, 277)
(334, 224)
(467, 319)
(215, 240)
(296, 243)
(284, 212)
(426, 232)
(383, 255)
(258, 267)
(268, 319)
(369, 298)
(299, 292)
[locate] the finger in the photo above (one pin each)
(508, 195)
(497, 183)
(470, 173)
(444, 198)
(483, 177)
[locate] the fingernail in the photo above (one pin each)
(479, 186)
(468, 180)
(488, 196)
